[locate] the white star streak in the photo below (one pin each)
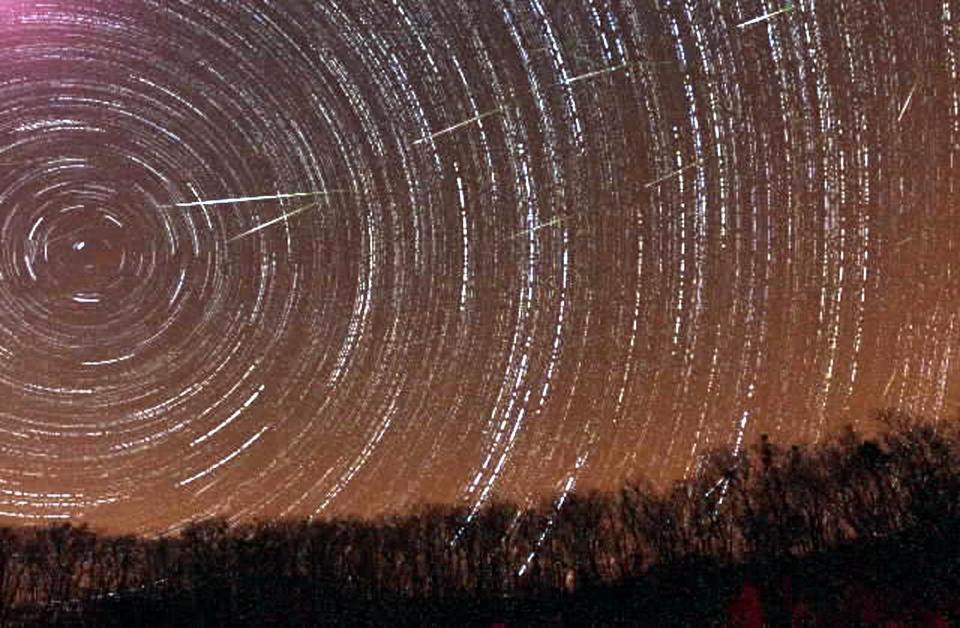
(253, 199)
(250, 441)
(765, 17)
(281, 218)
(450, 129)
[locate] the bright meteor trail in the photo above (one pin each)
(274, 221)
(251, 199)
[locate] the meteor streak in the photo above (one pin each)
(588, 75)
(456, 126)
(670, 175)
(274, 221)
(906, 103)
(550, 223)
(765, 17)
(250, 199)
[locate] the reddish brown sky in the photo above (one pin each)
(534, 245)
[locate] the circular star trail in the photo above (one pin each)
(314, 258)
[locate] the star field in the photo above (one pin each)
(314, 258)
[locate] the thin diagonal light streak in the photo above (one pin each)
(251, 199)
(906, 103)
(765, 17)
(456, 126)
(274, 221)
(673, 173)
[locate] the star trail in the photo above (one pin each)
(300, 258)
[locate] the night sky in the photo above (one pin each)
(508, 249)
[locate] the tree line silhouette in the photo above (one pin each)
(854, 530)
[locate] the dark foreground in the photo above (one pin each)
(852, 532)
